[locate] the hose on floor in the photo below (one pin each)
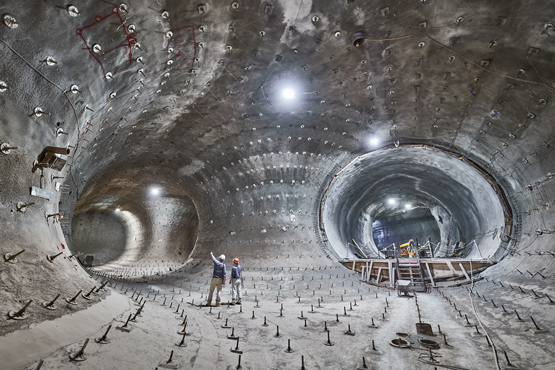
(494, 351)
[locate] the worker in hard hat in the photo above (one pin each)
(236, 280)
(218, 279)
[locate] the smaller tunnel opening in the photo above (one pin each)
(114, 230)
(434, 197)
(417, 223)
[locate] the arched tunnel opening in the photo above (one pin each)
(142, 228)
(385, 198)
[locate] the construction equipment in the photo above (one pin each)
(389, 251)
(407, 249)
(51, 157)
(409, 270)
(403, 287)
(426, 250)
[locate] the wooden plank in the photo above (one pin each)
(464, 272)
(367, 271)
(442, 269)
(430, 275)
(370, 271)
(391, 275)
(448, 263)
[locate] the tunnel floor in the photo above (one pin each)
(344, 301)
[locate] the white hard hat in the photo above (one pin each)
(222, 257)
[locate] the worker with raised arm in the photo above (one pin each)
(218, 279)
(236, 280)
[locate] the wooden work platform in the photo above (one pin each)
(437, 271)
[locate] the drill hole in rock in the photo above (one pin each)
(399, 343)
(429, 343)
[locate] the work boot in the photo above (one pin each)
(208, 304)
(217, 304)
(239, 302)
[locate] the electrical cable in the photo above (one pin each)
(495, 357)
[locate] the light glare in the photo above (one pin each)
(374, 141)
(391, 201)
(288, 94)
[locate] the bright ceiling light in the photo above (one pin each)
(408, 206)
(288, 94)
(118, 209)
(374, 141)
(392, 201)
(155, 191)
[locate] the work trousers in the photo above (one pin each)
(236, 289)
(216, 283)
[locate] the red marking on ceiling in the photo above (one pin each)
(127, 43)
(181, 44)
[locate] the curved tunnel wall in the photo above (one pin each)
(175, 222)
(265, 205)
(100, 235)
(159, 231)
(214, 123)
(421, 177)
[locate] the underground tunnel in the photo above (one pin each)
(415, 191)
(381, 171)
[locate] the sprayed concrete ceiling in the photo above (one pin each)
(188, 97)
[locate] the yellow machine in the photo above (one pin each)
(407, 249)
